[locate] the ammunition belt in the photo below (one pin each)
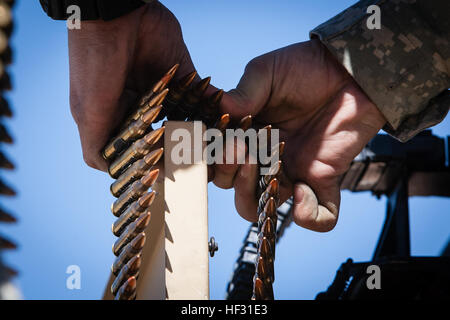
(240, 286)
(132, 157)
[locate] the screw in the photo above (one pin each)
(212, 246)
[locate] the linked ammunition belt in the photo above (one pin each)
(6, 27)
(240, 286)
(133, 154)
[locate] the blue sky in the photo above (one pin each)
(63, 205)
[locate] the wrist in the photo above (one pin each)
(364, 117)
(371, 115)
(366, 113)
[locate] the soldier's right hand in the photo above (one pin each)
(113, 63)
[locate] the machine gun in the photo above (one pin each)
(419, 167)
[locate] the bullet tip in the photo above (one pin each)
(186, 81)
(159, 98)
(245, 122)
(151, 114)
(281, 148)
(216, 97)
(135, 262)
(268, 227)
(147, 199)
(139, 241)
(275, 169)
(264, 248)
(149, 179)
(131, 282)
(153, 157)
(203, 84)
(174, 69)
(270, 207)
(259, 289)
(154, 136)
(143, 220)
(273, 186)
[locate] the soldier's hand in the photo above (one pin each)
(324, 118)
(114, 62)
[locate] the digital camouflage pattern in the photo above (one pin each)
(404, 67)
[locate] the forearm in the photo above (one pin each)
(404, 66)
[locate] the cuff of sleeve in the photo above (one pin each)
(432, 115)
(398, 65)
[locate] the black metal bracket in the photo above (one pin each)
(394, 240)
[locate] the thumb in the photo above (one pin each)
(253, 91)
(317, 213)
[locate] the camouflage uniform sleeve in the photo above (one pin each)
(404, 66)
